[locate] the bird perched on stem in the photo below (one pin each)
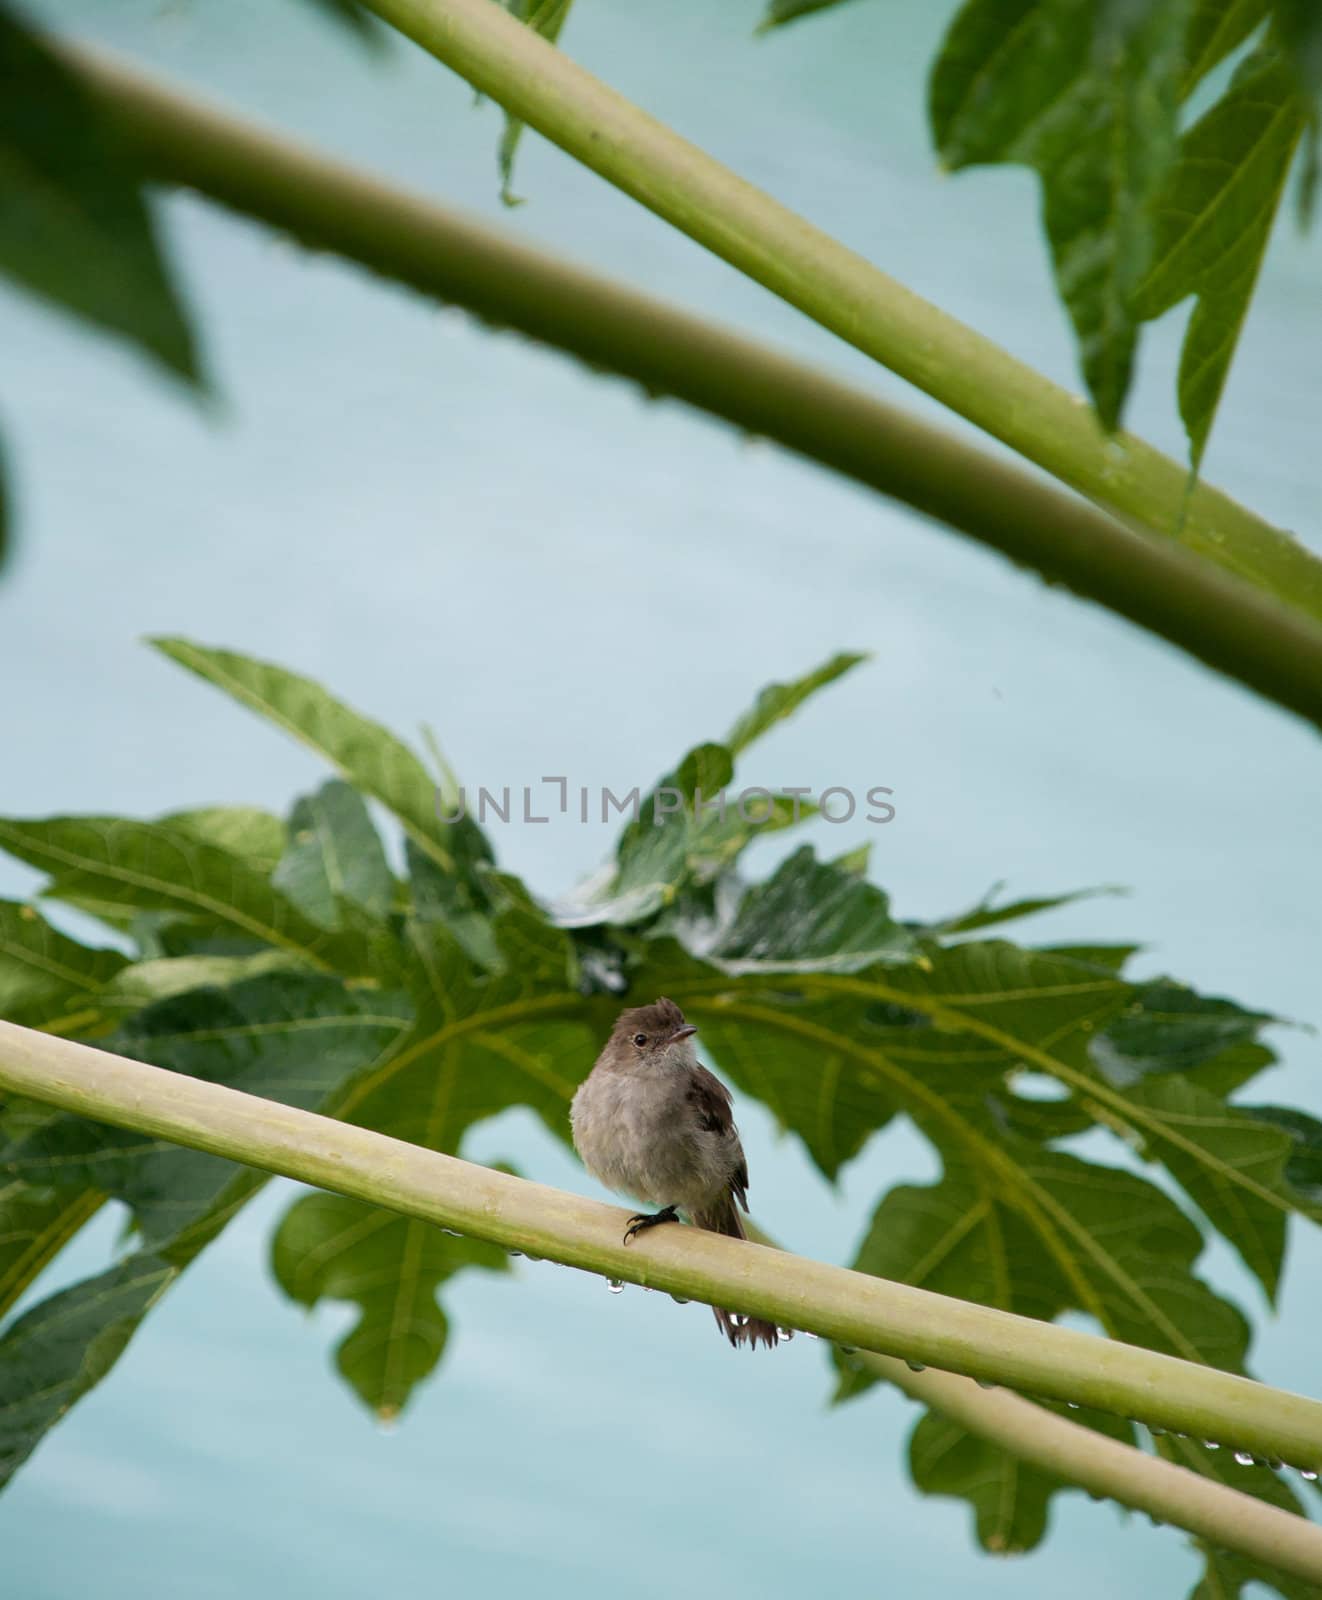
(651, 1121)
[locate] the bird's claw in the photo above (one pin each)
(645, 1220)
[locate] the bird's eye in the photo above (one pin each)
(640, 1039)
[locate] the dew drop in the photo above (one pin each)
(810, 1336)
(915, 1366)
(516, 1253)
(1308, 1474)
(1072, 1404)
(784, 1335)
(985, 1383)
(614, 1285)
(1210, 1444)
(1157, 1433)
(679, 1299)
(1244, 1457)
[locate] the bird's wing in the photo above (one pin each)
(711, 1102)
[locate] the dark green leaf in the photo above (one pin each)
(44, 973)
(812, 917)
(331, 1247)
(548, 18)
(779, 12)
(1213, 220)
(1303, 1166)
(1225, 1573)
(1168, 1028)
(295, 1037)
(36, 1222)
(1299, 23)
(334, 857)
(300, 1039)
(1087, 93)
(1009, 1496)
(6, 512)
(1216, 28)
(75, 226)
(351, 15)
(60, 1349)
(481, 1043)
(986, 914)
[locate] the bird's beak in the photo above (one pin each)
(684, 1032)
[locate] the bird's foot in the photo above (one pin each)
(645, 1220)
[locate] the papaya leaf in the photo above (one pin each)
(301, 1039)
(1226, 1573)
(1086, 92)
(64, 1346)
(72, 199)
(986, 914)
(44, 974)
(367, 755)
(780, 700)
(481, 1043)
(331, 1247)
(1213, 220)
(812, 917)
(335, 856)
(1009, 1496)
(548, 18)
(1216, 29)
(686, 830)
(1303, 1166)
(159, 866)
(36, 1222)
(248, 831)
(779, 12)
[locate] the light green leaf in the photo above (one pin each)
(246, 831)
(366, 754)
(811, 917)
(548, 18)
(780, 700)
(75, 227)
(331, 1247)
(334, 858)
(158, 866)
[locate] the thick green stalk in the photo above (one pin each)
(851, 1308)
(403, 236)
(841, 290)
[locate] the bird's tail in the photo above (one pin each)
(723, 1217)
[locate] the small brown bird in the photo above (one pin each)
(651, 1121)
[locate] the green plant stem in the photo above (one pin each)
(851, 1308)
(1155, 584)
(1208, 1510)
(1089, 1460)
(844, 292)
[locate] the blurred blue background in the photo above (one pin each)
(453, 526)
